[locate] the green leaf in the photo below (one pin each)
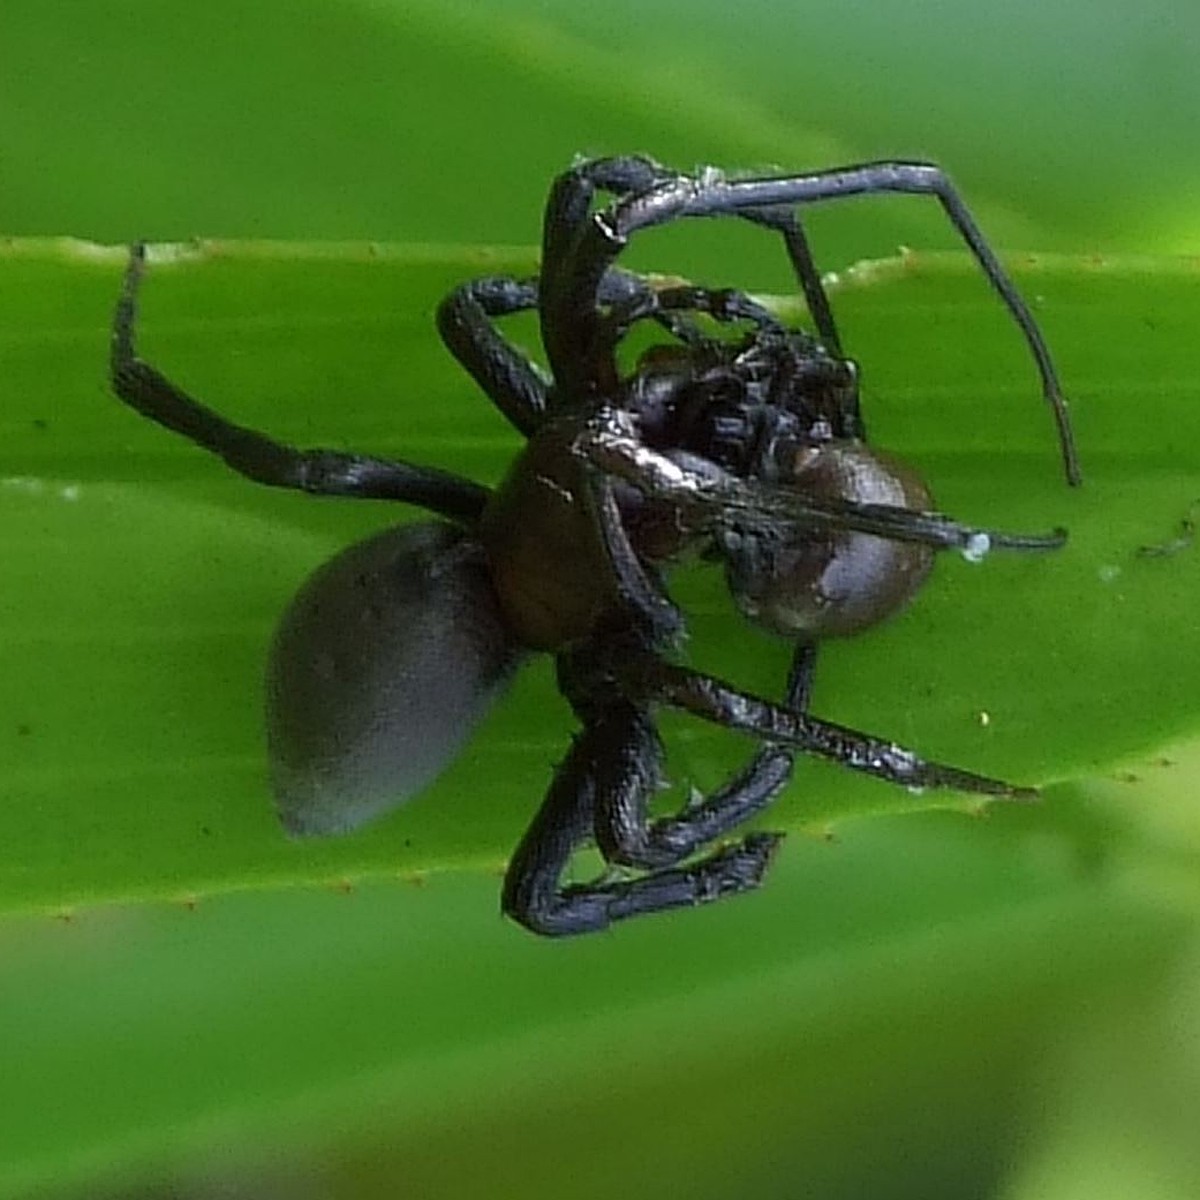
(409, 1034)
(142, 579)
(929, 1006)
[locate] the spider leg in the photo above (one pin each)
(623, 829)
(260, 458)
(663, 304)
(630, 665)
(723, 502)
(646, 678)
(570, 293)
(621, 824)
(573, 284)
(643, 600)
(605, 236)
(805, 268)
(850, 423)
(601, 758)
(629, 298)
(515, 385)
(568, 207)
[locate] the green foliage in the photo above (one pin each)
(931, 1005)
(147, 578)
(144, 580)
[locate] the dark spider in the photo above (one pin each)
(747, 448)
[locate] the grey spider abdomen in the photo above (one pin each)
(381, 667)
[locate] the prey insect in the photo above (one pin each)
(736, 438)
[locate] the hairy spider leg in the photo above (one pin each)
(603, 238)
(262, 459)
(569, 314)
(629, 297)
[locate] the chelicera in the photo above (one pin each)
(736, 439)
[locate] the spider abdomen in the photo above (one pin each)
(828, 584)
(382, 666)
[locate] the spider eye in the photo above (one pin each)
(383, 664)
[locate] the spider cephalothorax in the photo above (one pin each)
(737, 439)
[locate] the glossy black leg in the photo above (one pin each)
(626, 834)
(664, 303)
(717, 500)
(262, 459)
(572, 277)
(464, 320)
(647, 679)
(644, 602)
(570, 288)
(534, 894)
(602, 238)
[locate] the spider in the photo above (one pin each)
(737, 439)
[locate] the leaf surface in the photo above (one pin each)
(143, 579)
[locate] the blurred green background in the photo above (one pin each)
(927, 1006)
